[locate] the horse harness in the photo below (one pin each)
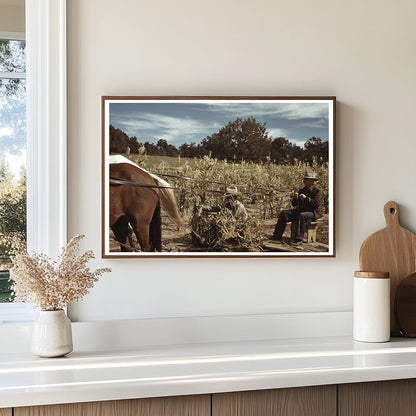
(119, 181)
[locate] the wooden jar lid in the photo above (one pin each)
(372, 275)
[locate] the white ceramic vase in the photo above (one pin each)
(52, 334)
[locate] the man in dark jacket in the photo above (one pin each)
(308, 207)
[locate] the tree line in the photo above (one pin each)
(241, 139)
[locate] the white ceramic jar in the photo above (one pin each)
(371, 307)
(52, 334)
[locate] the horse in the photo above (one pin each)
(135, 200)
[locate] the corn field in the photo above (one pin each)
(264, 189)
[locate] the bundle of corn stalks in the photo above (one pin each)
(220, 231)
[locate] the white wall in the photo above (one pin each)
(360, 51)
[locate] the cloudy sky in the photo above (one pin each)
(12, 132)
(186, 122)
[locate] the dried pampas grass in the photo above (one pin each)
(52, 285)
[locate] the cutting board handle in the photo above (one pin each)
(391, 213)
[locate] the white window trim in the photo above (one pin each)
(12, 75)
(12, 35)
(46, 125)
(46, 134)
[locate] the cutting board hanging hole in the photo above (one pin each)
(391, 213)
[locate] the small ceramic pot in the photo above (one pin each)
(52, 334)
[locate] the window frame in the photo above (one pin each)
(12, 35)
(46, 113)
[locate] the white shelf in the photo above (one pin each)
(151, 371)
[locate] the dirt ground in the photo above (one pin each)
(180, 240)
(322, 233)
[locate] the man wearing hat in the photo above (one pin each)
(308, 207)
(233, 204)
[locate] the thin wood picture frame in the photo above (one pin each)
(223, 176)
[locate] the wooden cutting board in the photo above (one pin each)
(393, 250)
(405, 306)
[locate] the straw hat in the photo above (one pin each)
(231, 191)
(310, 175)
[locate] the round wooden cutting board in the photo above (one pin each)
(393, 250)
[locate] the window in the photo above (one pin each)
(13, 154)
(46, 135)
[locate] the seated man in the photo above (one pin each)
(233, 204)
(308, 207)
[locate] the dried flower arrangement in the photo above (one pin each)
(52, 285)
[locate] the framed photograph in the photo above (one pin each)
(218, 176)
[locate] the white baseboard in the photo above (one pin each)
(105, 335)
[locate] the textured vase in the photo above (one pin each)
(52, 334)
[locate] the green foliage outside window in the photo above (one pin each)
(12, 151)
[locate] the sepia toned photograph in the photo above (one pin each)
(218, 176)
